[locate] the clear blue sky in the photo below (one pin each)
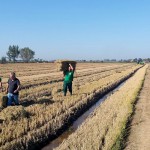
(77, 29)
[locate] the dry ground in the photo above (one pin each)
(139, 138)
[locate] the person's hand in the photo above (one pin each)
(15, 91)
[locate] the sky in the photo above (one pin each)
(77, 29)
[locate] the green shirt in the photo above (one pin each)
(68, 76)
(0, 79)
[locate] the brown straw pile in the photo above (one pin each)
(63, 65)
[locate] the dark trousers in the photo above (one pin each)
(67, 86)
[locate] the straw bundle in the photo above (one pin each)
(63, 65)
(4, 101)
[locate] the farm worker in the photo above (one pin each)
(68, 78)
(13, 88)
(1, 87)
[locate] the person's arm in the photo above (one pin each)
(63, 73)
(18, 87)
(71, 67)
(17, 90)
(7, 88)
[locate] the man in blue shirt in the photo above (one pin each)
(13, 88)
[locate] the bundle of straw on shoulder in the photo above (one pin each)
(63, 65)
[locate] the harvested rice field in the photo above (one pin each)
(44, 113)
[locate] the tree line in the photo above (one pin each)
(26, 54)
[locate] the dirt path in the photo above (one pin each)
(139, 138)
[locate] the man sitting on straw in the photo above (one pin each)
(68, 78)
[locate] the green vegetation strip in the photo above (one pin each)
(121, 140)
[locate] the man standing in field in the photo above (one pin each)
(68, 78)
(13, 88)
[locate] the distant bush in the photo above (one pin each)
(3, 60)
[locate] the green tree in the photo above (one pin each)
(9, 56)
(13, 52)
(26, 54)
